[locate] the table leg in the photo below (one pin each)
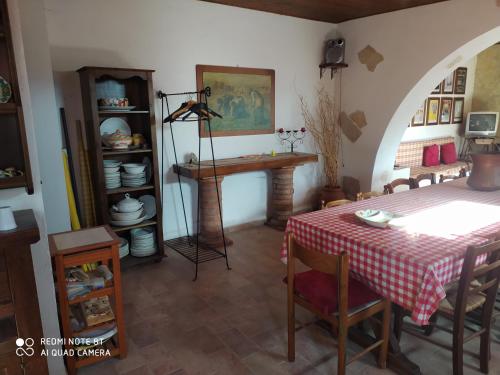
(282, 197)
(210, 216)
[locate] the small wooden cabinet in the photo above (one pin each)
(19, 312)
(13, 143)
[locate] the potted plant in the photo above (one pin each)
(324, 126)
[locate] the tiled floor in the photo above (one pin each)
(234, 322)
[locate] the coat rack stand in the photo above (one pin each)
(190, 246)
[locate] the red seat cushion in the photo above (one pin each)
(448, 153)
(431, 156)
(320, 289)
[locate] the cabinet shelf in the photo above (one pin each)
(146, 223)
(121, 113)
(6, 310)
(130, 261)
(127, 152)
(123, 190)
(93, 294)
(8, 108)
(12, 182)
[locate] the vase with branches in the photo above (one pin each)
(324, 125)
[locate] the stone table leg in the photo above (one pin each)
(282, 197)
(210, 219)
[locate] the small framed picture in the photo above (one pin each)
(432, 113)
(419, 118)
(445, 110)
(437, 89)
(458, 111)
(448, 83)
(460, 81)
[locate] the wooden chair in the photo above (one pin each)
(467, 296)
(443, 178)
(338, 202)
(389, 188)
(423, 177)
(328, 291)
(370, 194)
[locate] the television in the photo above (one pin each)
(481, 124)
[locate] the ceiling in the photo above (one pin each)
(334, 11)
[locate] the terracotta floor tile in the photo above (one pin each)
(238, 343)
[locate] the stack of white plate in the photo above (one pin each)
(143, 242)
(112, 174)
(134, 175)
(124, 249)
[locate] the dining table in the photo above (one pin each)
(409, 263)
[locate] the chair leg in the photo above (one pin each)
(291, 329)
(484, 352)
(386, 326)
(430, 328)
(342, 353)
(458, 349)
(398, 321)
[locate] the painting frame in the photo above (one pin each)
(448, 84)
(460, 83)
(458, 119)
(437, 89)
(445, 103)
(432, 118)
(201, 83)
(419, 119)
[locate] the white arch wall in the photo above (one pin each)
(420, 46)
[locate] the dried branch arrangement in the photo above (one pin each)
(324, 125)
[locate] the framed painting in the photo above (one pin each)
(458, 111)
(460, 81)
(448, 83)
(432, 115)
(419, 118)
(243, 96)
(445, 110)
(437, 89)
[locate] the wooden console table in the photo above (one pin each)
(281, 166)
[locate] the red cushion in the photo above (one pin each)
(448, 153)
(431, 156)
(320, 289)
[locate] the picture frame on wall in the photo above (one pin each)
(419, 118)
(460, 81)
(445, 108)
(448, 83)
(243, 96)
(437, 89)
(432, 112)
(458, 111)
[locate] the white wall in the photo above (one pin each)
(418, 53)
(456, 131)
(172, 36)
(19, 200)
(47, 127)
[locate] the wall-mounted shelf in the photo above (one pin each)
(333, 68)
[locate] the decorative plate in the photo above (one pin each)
(149, 202)
(376, 218)
(5, 90)
(111, 125)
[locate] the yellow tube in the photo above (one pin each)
(75, 222)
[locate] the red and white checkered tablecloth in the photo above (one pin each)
(409, 269)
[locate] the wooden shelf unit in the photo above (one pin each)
(13, 142)
(70, 249)
(138, 88)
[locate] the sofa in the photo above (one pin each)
(410, 155)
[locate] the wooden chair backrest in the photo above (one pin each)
(422, 177)
(336, 265)
(389, 188)
(367, 195)
(338, 202)
(489, 271)
(443, 178)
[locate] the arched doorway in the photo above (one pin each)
(387, 149)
